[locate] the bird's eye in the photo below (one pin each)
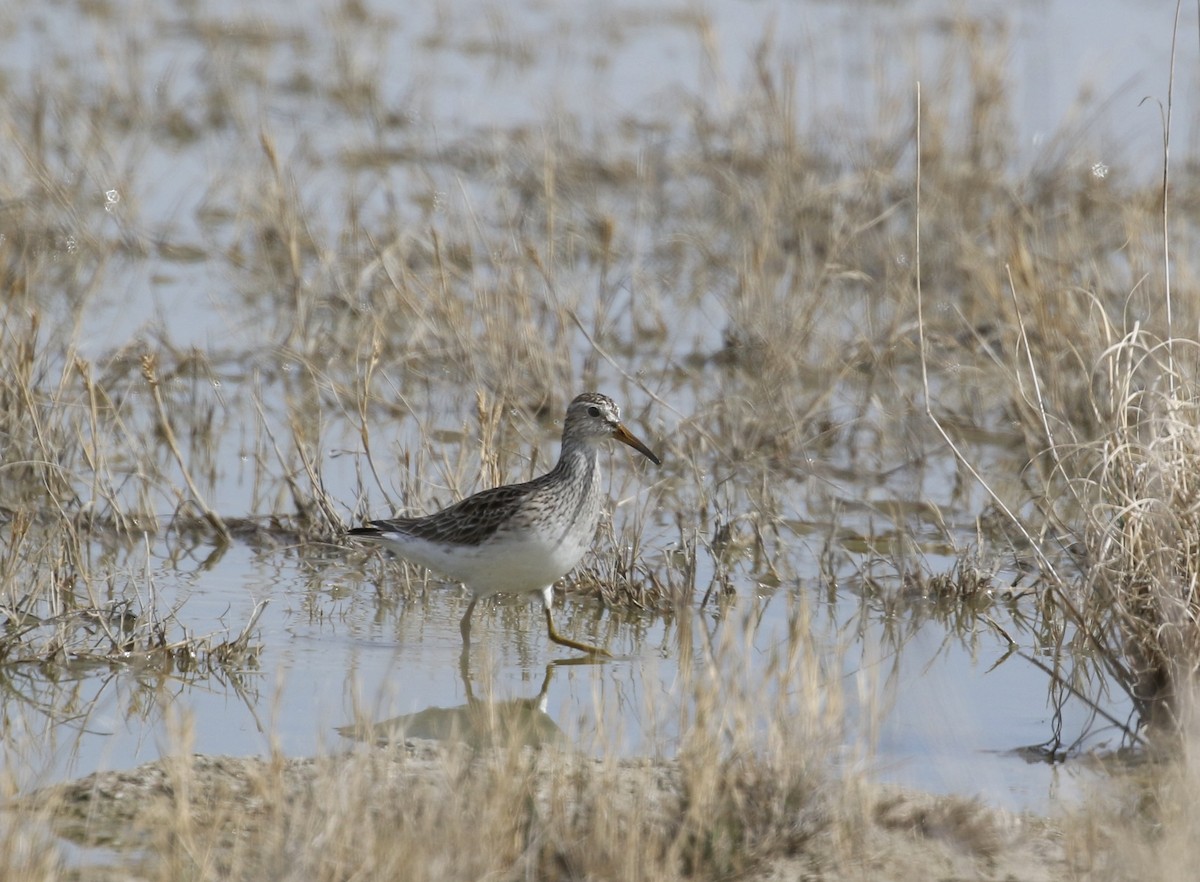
(594, 411)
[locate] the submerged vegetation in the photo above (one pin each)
(1001, 435)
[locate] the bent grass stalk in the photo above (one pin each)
(149, 372)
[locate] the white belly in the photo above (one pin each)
(508, 563)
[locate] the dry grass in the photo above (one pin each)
(1139, 601)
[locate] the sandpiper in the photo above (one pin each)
(520, 538)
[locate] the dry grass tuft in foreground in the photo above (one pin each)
(425, 812)
(1142, 537)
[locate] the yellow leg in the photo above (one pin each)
(547, 600)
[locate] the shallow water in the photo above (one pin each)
(340, 640)
(341, 648)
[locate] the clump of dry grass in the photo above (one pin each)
(1142, 538)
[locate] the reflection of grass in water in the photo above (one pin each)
(735, 285)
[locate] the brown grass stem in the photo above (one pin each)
(150, 373)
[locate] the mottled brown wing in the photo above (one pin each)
(468, 522)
